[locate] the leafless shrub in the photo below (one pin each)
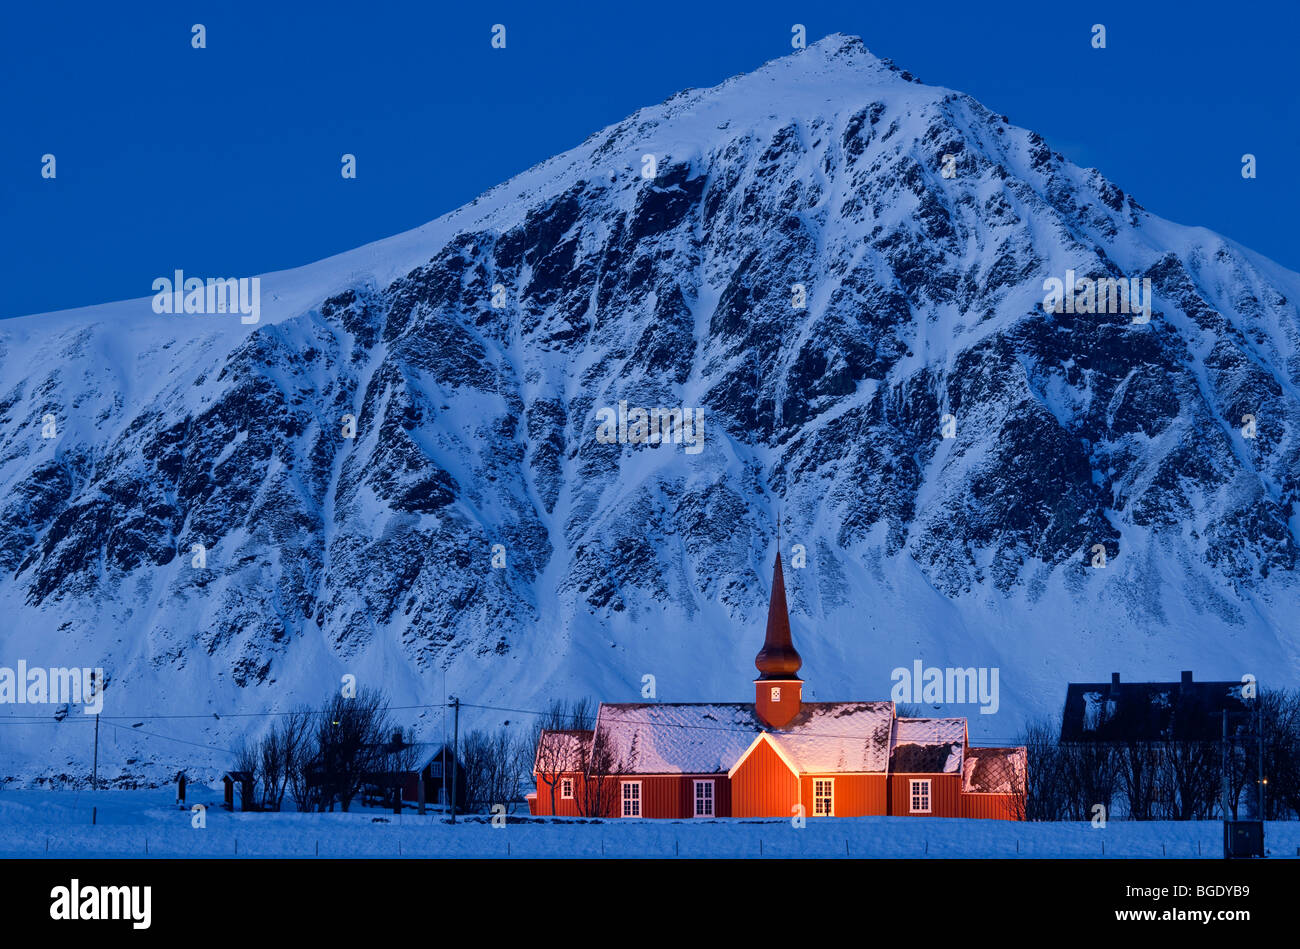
(1047, 787)
(598, 791)
(494, 769)
(296, 732)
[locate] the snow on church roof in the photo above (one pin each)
(562, 750)
(839, 736)
(691, 738)
(695, 738)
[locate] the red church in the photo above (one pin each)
(777, 757)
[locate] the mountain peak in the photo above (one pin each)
(843, 46)
(830, 274)
(837, 62)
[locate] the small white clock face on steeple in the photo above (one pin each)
(776, 693)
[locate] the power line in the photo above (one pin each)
(215, 715)
(740, 730)
(141, 731)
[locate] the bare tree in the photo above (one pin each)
(582, 714)
(246, 757)
(599, 764)
(475, 765)
(514, 770)
(351, 737)
(296, 740)
(1139, 765)
(1189, 779)
(271, 763)
(525, 751)
(493, 769)
(406, 756)
(553, 753)
(1281, 727)
(1090, 776)
(1046, 784)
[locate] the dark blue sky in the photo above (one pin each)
(225, 161)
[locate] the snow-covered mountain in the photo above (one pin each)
(921, 227)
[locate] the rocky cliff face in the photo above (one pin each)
(842, 269)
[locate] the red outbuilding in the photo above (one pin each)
(776, 757)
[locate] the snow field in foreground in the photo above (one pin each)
(129, 823)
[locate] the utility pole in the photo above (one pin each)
(94, 774)
(455, 753)
(1223, 792)
(1223, 761)
(1259, 732)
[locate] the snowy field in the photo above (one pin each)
(147, 824)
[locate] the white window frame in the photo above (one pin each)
(823, 790)
(921, 785)
(631, 799)
(776, 695)
(566, 789)
(710, 798)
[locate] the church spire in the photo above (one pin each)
(778, 658)
(778, 691)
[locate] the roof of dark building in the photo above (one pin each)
(1152, 711)
(430, 752)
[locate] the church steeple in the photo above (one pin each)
(778, 690)
(778, 659)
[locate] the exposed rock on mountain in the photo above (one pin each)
(470, 358)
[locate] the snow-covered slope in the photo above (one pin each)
(477, 426)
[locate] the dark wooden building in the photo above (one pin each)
(243, 780)
(1185, 710)
(436, 769)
